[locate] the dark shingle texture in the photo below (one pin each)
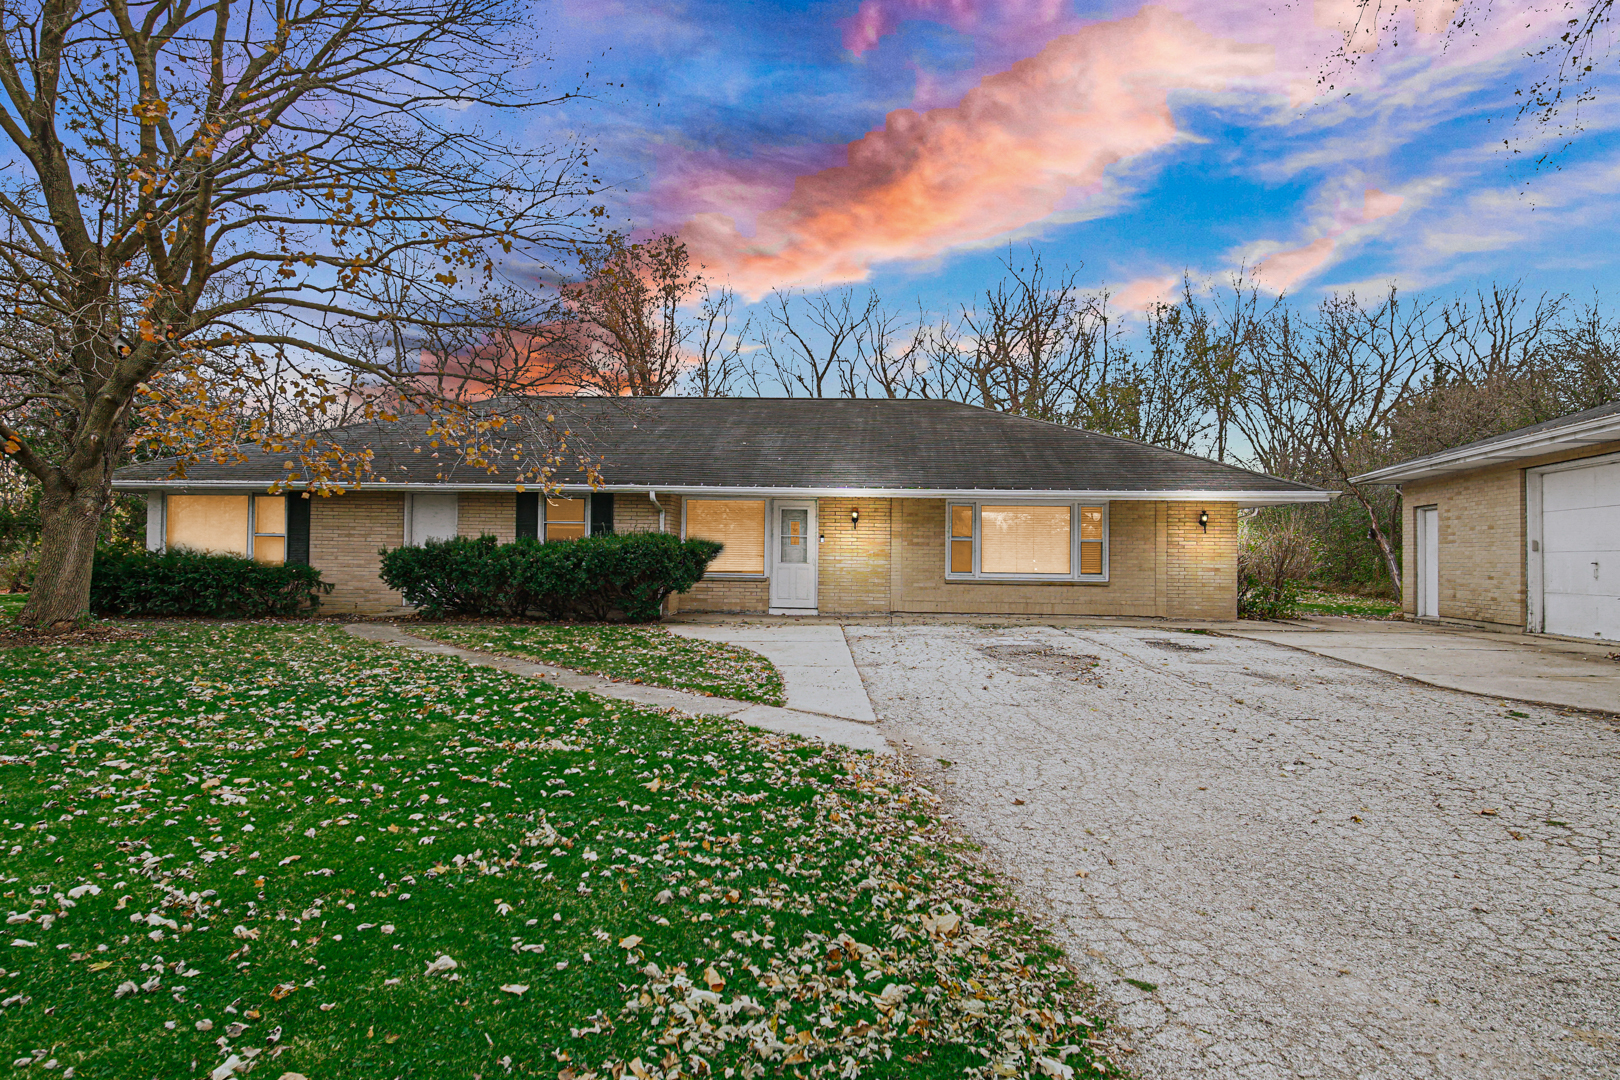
(798, 443)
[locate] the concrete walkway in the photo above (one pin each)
(788, 721)
(817, 669)
(1518, 667)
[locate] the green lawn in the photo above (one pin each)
(1317, 602)
(647, 654)
(281, 847)
(10, 605)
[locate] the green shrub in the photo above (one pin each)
(182, 582)
(596, 577)
(1259, 599)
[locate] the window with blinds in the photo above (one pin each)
(565, 519)
(1026, 541)
(738, 524)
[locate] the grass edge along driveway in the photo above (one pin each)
(644, 654)
(271, 849)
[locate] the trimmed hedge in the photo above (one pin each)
(182, 582)
(594, 577)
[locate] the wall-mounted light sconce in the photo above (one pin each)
(854, 518)
(1203, 520)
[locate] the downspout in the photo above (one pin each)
(653, 495)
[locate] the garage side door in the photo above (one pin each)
(1580, 530)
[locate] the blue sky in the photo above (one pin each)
(904, 143)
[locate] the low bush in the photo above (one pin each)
(1259, 599)
(628, 575)
(1276, 551)
(182, 582)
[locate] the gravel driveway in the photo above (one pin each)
(1307, 868)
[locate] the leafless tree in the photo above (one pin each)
(718, 367)
(810, 339)
(1349, 370)
(203, 192)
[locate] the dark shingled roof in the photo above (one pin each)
(798, 444)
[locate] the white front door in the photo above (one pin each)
(1580, 541)
(1428, 562)
(793, 558)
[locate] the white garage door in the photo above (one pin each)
(1580, 541)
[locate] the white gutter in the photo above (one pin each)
(1587, 433)
(1245, 498)
(653, 495)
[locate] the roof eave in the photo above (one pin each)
(1463, 459)
(1260, 497)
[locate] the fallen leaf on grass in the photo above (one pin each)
(440, 965)
(514, 988)
(630, 942)
(712, 977)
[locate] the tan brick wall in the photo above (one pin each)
(1481, 563)
(1160, 562)
(634, 512)
(853, 561)
(488, 513)
(345, 532)
(1201, 566)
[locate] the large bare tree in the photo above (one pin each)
(204, 197)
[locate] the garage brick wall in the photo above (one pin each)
(1481, 562)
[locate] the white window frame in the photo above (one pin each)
(768, 504)
(1074, 575)
(564, 495)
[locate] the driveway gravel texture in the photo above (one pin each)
(1278, 865)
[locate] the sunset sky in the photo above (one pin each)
(904, 143)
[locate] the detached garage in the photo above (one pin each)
(1518, 532)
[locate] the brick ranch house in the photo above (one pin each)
(1518, 532)
(831, 506)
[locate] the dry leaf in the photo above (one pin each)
(630, 942)
(515, 988)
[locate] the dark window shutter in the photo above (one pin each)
(528, 515)
(601, 513)
(298, 530)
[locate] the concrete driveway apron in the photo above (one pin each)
(1281, 865)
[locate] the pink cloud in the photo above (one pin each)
(1031, 20)
(1143, 293)
(1279, 272)
(1014, 151)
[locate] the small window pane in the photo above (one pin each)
(1091, 524)
(1090, 558)
(565, 510)
(564, 530)
(739, 524)
(271, 550)
(217, 523)
(795, 536)
(270, 515)
(1024, 540)
(961, 556)
(962, 521)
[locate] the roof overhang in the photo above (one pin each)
(1576, 436)
(1242, 498)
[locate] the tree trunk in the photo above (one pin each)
(71, 520)
(1384, 546)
